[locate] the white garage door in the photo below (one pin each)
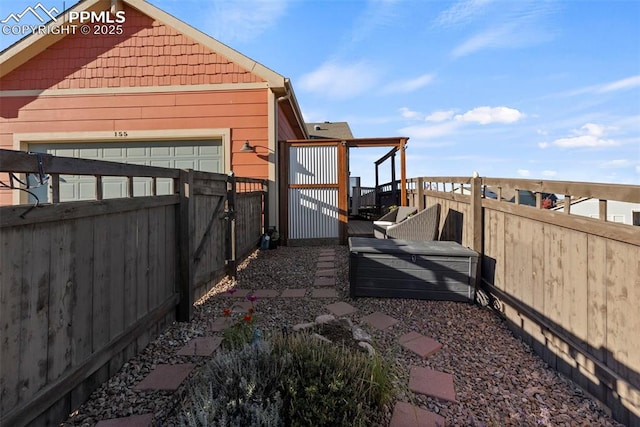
(205, 155)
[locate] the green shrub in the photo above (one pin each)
(290, 380)
(236, 388)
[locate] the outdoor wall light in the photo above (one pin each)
(248, 148)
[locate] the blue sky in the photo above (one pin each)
(517, 89)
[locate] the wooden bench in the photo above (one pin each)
(394, 268)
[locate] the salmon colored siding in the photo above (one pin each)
(244, 112)
(285, 129)
(148, 53)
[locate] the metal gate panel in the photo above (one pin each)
(313, 165)
(313, 213)
(313, 210)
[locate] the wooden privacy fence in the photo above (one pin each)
(85, 285)
(568, 285)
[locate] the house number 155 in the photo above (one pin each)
(120, 133)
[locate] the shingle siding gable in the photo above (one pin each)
(148, 53)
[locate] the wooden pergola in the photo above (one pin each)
(397, 144)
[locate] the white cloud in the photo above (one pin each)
(429, 131)
(513, 24)
(440, 116)
(493, 38)
(462, 11)
(410, 114)
(622, 84)
(589, 135)
(617, 163)
(244, 20)
(543, 145)
(340, 80)
(487, 115)
(406, 86)
(524, 172)
(549, 173)
(628, 83)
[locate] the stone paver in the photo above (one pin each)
(243, 306)
(165, 377)
(293, 293)
(407, 415)
(327, 252)
(325, 265)
(432, 383)
(419, 344)
(380, 320)
(132, 421)
(220, 324)
(239, 293)
(324, 293)
(327, 272)
(326, 258)
(341, 308)
(201, 346)
(325, 281)
(265, 293)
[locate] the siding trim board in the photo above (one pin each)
(135, 90)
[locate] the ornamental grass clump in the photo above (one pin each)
(292, 380)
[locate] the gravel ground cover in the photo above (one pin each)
(498, 380)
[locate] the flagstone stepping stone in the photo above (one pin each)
(243, 306)
(144, 420)
(325, 265)
(293, 293)
(220, 324)
(432, 383)
(341, 308)
(165, 377)
(326, 258)
(201, 346)
(380, 320)
(327, 252)
(419, 344)
(407, 415)
(266, 293)
(327, 272)
(239, 293)
(324, 293)
(325, 281)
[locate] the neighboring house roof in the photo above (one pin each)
(27, 48)
(334, 130)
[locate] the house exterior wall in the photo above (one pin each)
(151, 81)
(617, 211)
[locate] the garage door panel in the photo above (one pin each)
(199, 155)
(137, 152)
(160, 151)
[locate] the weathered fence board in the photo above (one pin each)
(567, 284)
(86, 285)
(11, 301)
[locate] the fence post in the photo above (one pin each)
(420, 194)
(477, 231)
(186, 250)
(232, 268)
(265, 206)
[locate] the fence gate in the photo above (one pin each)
(314, 192)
